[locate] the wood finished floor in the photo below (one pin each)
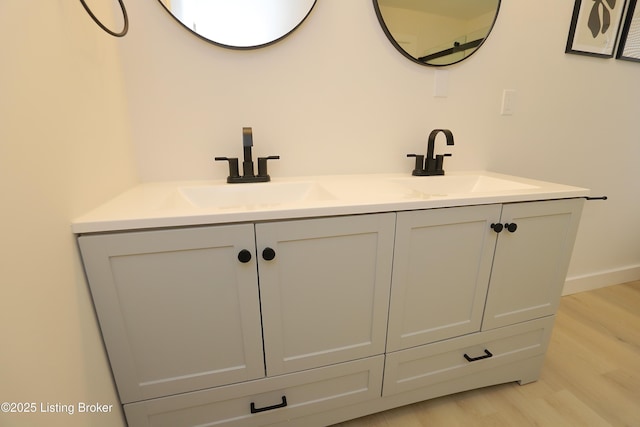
(591, 375)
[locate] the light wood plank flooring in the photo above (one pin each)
(591, 375)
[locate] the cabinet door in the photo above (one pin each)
(177, 309)
(530, 264)
(441, 269)
(325, 294)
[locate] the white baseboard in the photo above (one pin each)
(601, 279)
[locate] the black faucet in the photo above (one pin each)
(432, 165)
(247, 163)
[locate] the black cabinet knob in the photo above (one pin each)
(497, 227)
(268, 254)
(244, 256)
(512, 227)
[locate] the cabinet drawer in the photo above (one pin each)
(288, 396)
(443, 361)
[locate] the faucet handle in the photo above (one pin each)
(419, 167)
(234, 172)
(439, 163)
(262, 165)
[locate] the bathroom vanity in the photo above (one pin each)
(315, 300)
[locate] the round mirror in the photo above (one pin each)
(240, 24)
(437, 32)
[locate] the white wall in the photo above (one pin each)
(336, 97)
(577, 123)
(64, 148)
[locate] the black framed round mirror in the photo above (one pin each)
(240, 24)
(437, 32)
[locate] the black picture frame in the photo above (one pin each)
(629, 47)
(595, 26)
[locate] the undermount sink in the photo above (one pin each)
(447, 185)
(255, 195)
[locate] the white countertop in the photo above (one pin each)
(164, 204)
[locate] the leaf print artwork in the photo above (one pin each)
(594, 27)
(595, 23)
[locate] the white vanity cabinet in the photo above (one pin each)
(315, 321)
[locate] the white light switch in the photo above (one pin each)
(441, 83)
(508, 102)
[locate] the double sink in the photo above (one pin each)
(347, 189)
(178, 204)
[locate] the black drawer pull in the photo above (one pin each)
(487, 354)
(255, 410)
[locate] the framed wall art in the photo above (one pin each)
(629, 48)
(594, 27)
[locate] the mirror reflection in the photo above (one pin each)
(240, 24)
(437, 32)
